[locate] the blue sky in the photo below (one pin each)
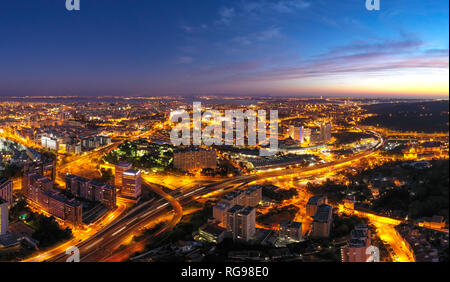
(276, 47)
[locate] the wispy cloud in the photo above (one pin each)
(382, 46)
(265, 35)
(226, 15)
(192, 29)
(182, 60)
(248, 7)
(379, 58)
(283, 6)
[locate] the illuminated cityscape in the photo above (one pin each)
(360, 172)
(306, 203)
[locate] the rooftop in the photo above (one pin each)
(315, 199)
(123, 164)
(131, 172)
(222, 205)
(356, 243)
(235, 209)
(192, 149)
(291, 224)
(323, 213)
(246, 210)
(213, 229)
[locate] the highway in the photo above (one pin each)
(101, 246)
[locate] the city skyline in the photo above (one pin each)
(279, 48)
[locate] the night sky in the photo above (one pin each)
(187, 47)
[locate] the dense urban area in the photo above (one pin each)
(102, 174)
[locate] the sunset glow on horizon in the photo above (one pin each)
(252, 47)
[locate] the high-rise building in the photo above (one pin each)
(301, 134)
(194, 158)
(241, 222)
(92, 190)
(220, 212)
(50, 143)
(250, 197)
(108, 196)
(69, 210)
(325, 132)
(296, 132)
(253, 196)
(323, 221)
(4, 217)
(131, 184)
(307, 135)
(313, 203)
(6, 189)
(46, 167)
(39, 190)
(355, 251)
(235, 197)
(78, 186)
(118, 173)
(315, 137)
(73, 148)
(33, 184)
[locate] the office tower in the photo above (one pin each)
(241, 222)
(313, 203)
(194, 158)
(120, 168)
(290, 231)
(6, 190)
(4, 217)
(131, 184)
(322, 222)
